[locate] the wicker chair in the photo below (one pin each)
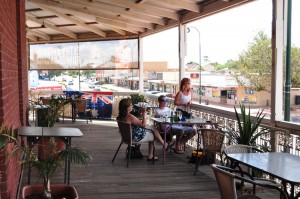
(212, 140)
(126, 138)
(83, 111)
(239, 148)
(226, 180)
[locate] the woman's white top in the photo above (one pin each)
(184, 99)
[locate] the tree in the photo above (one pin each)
(255, 64)
(53, 73)
(295, 67)
(88, 73)
(231, 65)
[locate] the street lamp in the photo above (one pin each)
(188, 30)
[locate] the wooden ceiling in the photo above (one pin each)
(80, 20)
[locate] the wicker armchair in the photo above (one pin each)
(126, 138)
(82, 110)
(226, 180)
(212, 140)
(239, 148)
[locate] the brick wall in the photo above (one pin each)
(13, 84)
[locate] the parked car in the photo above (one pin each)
(152, 92)
(169, 95)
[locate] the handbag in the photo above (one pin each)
(185, 114)
(135, 152)
(207, 159)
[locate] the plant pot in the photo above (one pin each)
(44, 147)
(61, 190)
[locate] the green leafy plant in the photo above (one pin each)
(46, 167)
(248, 129)
(136, 98)
(56, 109)
(53, 108)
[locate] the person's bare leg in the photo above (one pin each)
(177, 142)
(150, 150)
(158, 137)
(186, 138)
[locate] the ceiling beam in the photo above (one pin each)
(143, 8)
(50, 25)
(39, 34)
(31, 37)
(74, 20)
(116, 24)
(107, 19)
(138, 18)
(181, 4)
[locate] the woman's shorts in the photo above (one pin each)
(149, 137)
(177, 129)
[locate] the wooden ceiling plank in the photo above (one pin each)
(73, 20)
(117, 30)
(119, 25)
(31, 37)
(39, 34)
(52, 26)
(138, 17)
(142, 1)
(143, 8)
(182, 4)
(88, 13)
(84, 13)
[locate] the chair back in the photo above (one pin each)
(81, 105)
(239, 148)
(212, 140)
(126, 132)
(226, 182)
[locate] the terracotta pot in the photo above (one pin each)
(44, 147)
(56, 189)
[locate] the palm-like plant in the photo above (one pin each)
(46, 167)
(248, 129)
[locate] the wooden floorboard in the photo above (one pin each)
(107, 180)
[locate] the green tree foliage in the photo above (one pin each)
(231, 65)
(88, 73)
(255, 64)
(53, 73)
(295, 67)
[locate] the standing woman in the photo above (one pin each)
(183, 98)
(183, 101)
(139, 132)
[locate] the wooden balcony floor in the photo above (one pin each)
(102, 179)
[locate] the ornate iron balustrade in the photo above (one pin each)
(283, 137)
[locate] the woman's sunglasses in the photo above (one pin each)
(164, 100)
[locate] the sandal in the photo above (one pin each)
(178, 151)
(151, 159)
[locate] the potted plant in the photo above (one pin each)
(136, 98)
(49, 117)
(247, 131)
(46, 167)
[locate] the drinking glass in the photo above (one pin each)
(179, 115)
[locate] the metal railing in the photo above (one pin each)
(283, 136)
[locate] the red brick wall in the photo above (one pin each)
(13, 83)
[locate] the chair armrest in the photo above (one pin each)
(236, 171)
(257, 150)
(255, 183)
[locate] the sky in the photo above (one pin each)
(223, 36)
